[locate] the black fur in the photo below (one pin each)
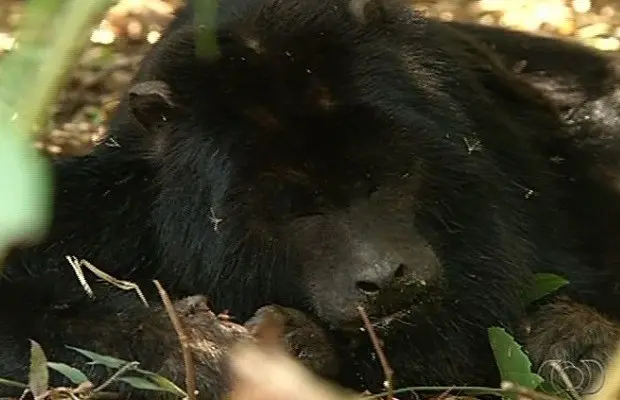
(584, 85)
(327, 147)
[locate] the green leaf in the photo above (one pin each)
(52, 34)
(38, 376)
(513, 363)
(163, 382)
(108, 361)
(206, 38)
(25, 189)
(8, 382)
(142, 383)
(75, 375)
(544, 284)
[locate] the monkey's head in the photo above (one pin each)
(320, 160)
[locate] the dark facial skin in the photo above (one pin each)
(370, 254)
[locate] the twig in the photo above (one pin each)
(127, 367)
(507, 388)
(444, 394)
(124, 285)
(513, 388)
(190, 377)
(387, 370)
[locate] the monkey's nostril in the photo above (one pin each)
(400, 271)
(367, 287)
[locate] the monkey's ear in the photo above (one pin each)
(150, 103)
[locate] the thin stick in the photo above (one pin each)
(511, 387)
(507, 388)
(444, 394)
(190, 376)
(387, 370)
(127, 367)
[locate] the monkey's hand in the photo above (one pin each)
(566, 339)
(209, 336)
(299, 334)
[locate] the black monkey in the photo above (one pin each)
(333, 154)
(582, 82)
